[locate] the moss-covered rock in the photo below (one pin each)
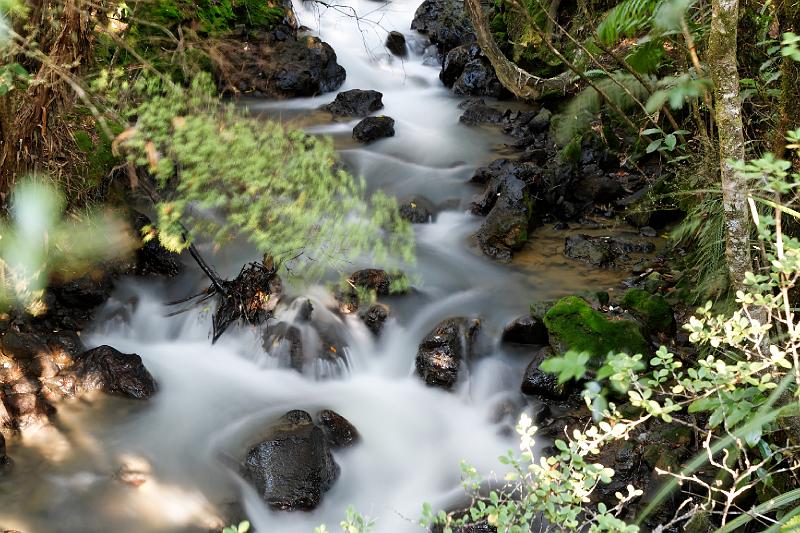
(653, 309)
(573, 325)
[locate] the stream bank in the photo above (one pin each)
(479, 178)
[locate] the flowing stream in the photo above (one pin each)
(213, 399)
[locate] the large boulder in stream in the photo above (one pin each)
(292, 467)
(108, 370)
(508, 203)
(442, 351)
(572, 325)
(355, 103)
(279, 65)
(373, 128)
(445, 22)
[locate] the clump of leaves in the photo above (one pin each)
(222, 175)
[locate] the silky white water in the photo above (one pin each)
(214, 399)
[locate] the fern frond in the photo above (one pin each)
(626, 20)
(586, 105)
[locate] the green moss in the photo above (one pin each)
(652, 308)
(573, 325)
(210, 17)
(96, 147)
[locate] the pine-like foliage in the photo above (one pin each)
(586, 105)
(225, 175)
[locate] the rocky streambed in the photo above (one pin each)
(525, 250)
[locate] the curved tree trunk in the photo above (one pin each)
(520, 82)
(728, 111)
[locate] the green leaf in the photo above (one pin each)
(653, 146)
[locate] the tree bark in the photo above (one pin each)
(788, 12)
(728, 111)
(521, 83)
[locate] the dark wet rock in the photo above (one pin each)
(152, 259)
(478, 79)
(537, 382)
(108, 370)
(86, 292)
(572, 324)
(604, 251)
(355, 103)
(28, 409)
(445, 22)
(508, 203)
(279, 65)
(285, 342)
(478, 113)
(21, 345)
(443, 350)
(374, 317)
(598, 188)
(373, 128)
(417, 211)
(455, 61)
(292, 467)
(647, 231)
(374, 280)
(340, 432)
(396, 43)
(525, 330)
(653, 309)
(6, 420)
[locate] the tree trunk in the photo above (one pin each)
(520, 82)
(788, 12)
(728, 111)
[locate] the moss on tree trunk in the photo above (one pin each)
(788, 12)
(728, 112)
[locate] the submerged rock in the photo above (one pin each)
(292, 467)
(340, 432)
(108, 370)
(375, 317)
(525, 330)
(355, 103)
(373, 128)
(604, 251)
(396, 43)
(445, 22)
(442, 351)
(573, 325)
(417, 211)
(279, 65)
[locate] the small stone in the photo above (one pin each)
(373, 128)
(396, 43)
(340, 432)
(647, 231)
